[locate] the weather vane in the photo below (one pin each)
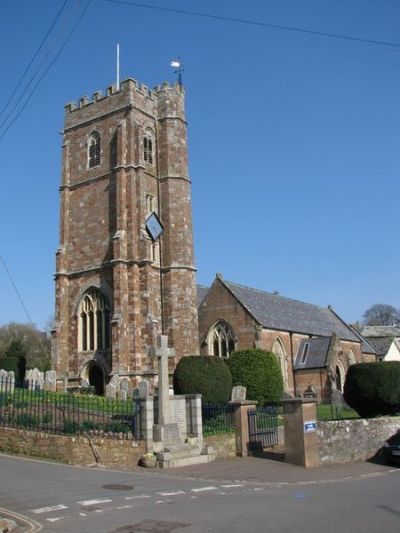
(177, 65)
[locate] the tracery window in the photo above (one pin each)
(279, 350)
(93, 322)
(221, 339)
(148, 147)
(94, 148)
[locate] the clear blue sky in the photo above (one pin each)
(294, 140)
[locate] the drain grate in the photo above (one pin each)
(150, 526)
(116, 486)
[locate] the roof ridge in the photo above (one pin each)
(278, 295)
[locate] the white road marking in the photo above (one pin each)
(203, 489)
(86, 503)
(171, 493)
(124, 507)
(137, 497)
(82, 514)
(55, 519)
(231, 486)
(49, 509)
(160, 501)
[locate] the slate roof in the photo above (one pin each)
(277, 312)
(317, 353)
(381, 344)
(380, 331)
(366, 345)
(202, 290)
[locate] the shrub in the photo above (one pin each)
(373, 389)
(260, 372)
(206, 375)
(10, 363)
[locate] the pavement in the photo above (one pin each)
(270, 471)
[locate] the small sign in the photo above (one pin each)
(310, 426)
(154, 227)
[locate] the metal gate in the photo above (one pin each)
(263, 427)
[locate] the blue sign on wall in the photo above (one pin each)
(310, 426)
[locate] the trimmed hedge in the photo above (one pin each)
(206, 375)
(260, 372)
(10, 363)
(373, 389)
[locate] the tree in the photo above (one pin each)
(381, 315)
(31, 344)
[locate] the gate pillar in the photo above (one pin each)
(241, 424)
(301, 439)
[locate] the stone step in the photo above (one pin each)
(186, 461)
(180, 453)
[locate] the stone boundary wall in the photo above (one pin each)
(347, 441)
(70, 449)
(224, 444)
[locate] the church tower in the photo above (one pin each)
(125, 266)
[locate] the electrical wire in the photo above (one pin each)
(3, 124)
(33, 58)
(257, 23)
(16, 290)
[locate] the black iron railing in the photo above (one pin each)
(66, 413)
(217, 418)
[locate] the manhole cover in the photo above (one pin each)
(150, 526)
(116, 486)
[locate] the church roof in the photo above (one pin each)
(380, 331)
(381, 344)
(317, 353)
(274, 311)
(202, 290)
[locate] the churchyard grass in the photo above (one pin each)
(66, 413)
(326, 411)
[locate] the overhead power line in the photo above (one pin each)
(16, 290)
(52, 46)
(257, 23)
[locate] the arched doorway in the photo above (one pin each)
(96, 378)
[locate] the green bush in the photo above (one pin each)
(10, 363)
(373, 389)
(260, 372)
(206, 375)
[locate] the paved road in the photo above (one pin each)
(71, 499)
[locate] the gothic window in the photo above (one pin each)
(304, 353)
(221, 339)
(279, 350)
(94, 147)
(93, 322)
(148, 147)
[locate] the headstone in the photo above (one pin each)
(143, 389)
(125, 387)
(84, 383)
(111, 391)
(50, 381)
(7, 381)
(238, 393)
(35, 379)
(123, 395)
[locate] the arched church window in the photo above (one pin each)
(148, 147)
(279, 350)
(340, 376)
(94, 147)
(221, 339)
(94, 322)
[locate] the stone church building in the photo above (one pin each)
(125, 265)
(314, 345)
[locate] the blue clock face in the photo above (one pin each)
(154, 227)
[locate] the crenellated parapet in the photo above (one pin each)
(128, 88)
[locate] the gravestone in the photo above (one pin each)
(7, 381)
(238, 393)
(84, 383)
(143, 389)
(35, 379)
(111, 391)
(125, 388)
(50, 381)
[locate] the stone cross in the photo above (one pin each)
(162, 352)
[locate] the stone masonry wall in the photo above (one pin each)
(71, 450)
(346, 441)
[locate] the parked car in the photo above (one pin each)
(391, 449)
